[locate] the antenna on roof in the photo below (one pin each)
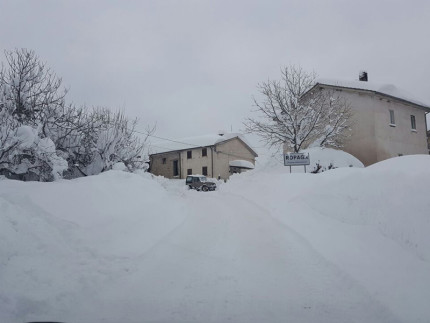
(363, 76)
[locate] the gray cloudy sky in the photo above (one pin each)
(192, 67)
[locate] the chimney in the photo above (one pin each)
(363, 76)
(221, 132)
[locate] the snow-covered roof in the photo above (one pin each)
(241, 164)
(385, 89)
(194, 142)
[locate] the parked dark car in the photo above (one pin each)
(199, 183)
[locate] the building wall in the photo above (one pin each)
(166, 170)
(197, 162)
(372, 137)
(221, 155)
(228, 151)
(401, 139)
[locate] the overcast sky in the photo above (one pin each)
(192, 67)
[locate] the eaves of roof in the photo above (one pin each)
(252, 151)
(420, 106)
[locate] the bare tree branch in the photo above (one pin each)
(294, 113)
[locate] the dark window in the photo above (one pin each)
(189, 154)
(204, 171)
(189, 171)
(164, 160)
(204, 152)
(392, 119)
(413, 124)
(175, 168)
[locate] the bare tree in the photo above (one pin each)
(31, 98)
(295, 113)
(32, 91)
(41, 136)
(106, 138)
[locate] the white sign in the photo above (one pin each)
(296, 159)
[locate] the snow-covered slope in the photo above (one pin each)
(347, 245)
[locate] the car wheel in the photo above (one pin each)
(205, 188)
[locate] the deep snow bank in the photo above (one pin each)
(373, 222)
(391, 195)
(61, 241)
(350, 244)
(325, 157)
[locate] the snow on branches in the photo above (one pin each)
(42, 138)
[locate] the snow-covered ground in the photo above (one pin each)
(348, 245)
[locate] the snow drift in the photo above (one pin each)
(350, 244)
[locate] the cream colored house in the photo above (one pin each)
(387, 122)
(216, 156)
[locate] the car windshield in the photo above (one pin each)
(203, 179)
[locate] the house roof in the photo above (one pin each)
(383, 89)
(196, 142)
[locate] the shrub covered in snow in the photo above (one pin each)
(42, 138)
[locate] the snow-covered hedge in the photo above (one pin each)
(42, 138)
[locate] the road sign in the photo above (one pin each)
(296, 159)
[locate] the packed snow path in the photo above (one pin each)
(120, 247)
(237, 264)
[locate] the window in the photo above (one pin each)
(164, 160)
(189, 171)
(392, 119)
(189, 154)
(204, 152)
(413, 123)
(175, 168)
(204, 171)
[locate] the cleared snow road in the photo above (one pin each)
(229, 260)
(119, 247)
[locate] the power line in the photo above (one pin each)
(167, 139)
(176, 141)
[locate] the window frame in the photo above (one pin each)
(392, 118)
(189, 171)
(189, 154)
(205, 170)
(413, 123)
(204, 152)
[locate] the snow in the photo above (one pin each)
(387, 89)
(119, 166)
(325, 157)
(26, 136)
(194, 142)
(242, 164)
(28, 142)
(348, 245)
